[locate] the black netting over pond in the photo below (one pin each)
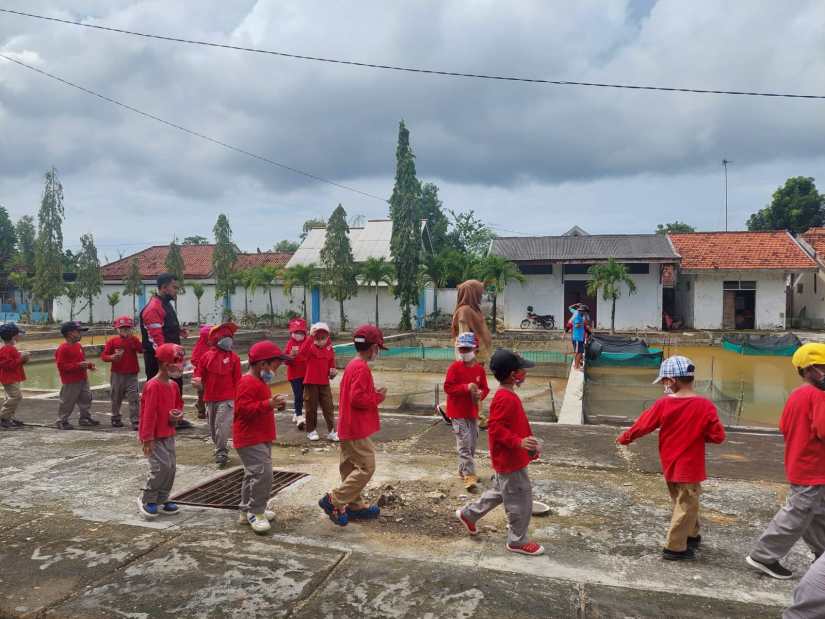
(748, 344)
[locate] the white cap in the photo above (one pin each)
(319, 326)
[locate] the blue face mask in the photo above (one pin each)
(225, 343)
(267, 376)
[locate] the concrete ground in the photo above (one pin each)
(72, 544)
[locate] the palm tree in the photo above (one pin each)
(496, 272)
(265, 277)
(246, 280)
(374, 272)
(197, 290)
(441, 268)
(304, 275)
(113, 300)
(609, 277)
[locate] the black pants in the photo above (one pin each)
(298, 395)
(150, 364)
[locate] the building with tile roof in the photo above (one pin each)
(809, 290)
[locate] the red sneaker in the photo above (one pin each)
(531, 549)
(471, 528)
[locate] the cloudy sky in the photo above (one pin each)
(527, 158)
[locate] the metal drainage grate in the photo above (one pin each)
(224, 492)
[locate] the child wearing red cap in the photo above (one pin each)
(161, 406)
(319, 357)
(253, 432)
(220, 370)
(296, 367)
(357, 421)
(122, 352)
(201, 346)
(74, 376)
(11, 374)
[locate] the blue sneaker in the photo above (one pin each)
(338, 516)
(170, 508)
(149, 511)
(367, 513)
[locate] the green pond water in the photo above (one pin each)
(43, 374)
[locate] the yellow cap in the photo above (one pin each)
(808, 355)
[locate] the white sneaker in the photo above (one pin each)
(332, 436)
(259, 523)
(300, 422)
(295, 419)
(270, 516)
(313, 436)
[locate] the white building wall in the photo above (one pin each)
(685, 288)
(811, 299)
(770, 298)
(544, 292)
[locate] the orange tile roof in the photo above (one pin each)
(265, 258)
(740, 251)
(815, 237)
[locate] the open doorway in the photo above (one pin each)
(576, 292)
(739, 305)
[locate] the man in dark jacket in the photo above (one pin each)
(159, 325)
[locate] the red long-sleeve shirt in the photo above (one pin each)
(508, 425)
(319, 361)
(803, 425)
(685, 425)
(297, 368)
(128, 363)
(68, 358)
(460, 404)
(221, 372)
(11, 365)
(358, 402)
(254, 420)
(200, 349)
(156, 401)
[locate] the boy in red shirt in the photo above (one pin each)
(803, 425)
(220, 371)
(465, 386)
(319, 357)
(122, 352)
(686, 422)
(512, 448)
(357, 421)
(253, 432)
(296, 368)
(161, 407)
(73, 368)
(11, 374)
(201, 346)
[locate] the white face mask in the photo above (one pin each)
(376, 352)
(466, 357)
(298, 337)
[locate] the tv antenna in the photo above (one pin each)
(725, 163)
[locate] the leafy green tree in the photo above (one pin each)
(23, 282)
(309, 224)
(113, 299)
(48, 261)
(266, 277)
(304, 275)
(437, 223)
(246, 280)
(73, 294)
(174, 265)
(8, 245)
(133, 284)
(198, 290)
(796, 206)
(223, 258)
(469, 234)
(287, 246)
(438, 270)
(374, 272)
(496, 273)
(405, 213)
(609, 277)
(674, 228)
(26, 240)
(195, 240)
(89, 280)
(337, 262)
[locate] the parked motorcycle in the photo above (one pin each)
(538, 321)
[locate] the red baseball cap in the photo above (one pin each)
(369, 334)
(170, 353)
(226, 329)
(264, 351)
(297, 324)
(123, 321)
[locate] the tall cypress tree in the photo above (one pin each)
(174, 264)
(337, 261)
(405, 213)
(133, 284)
(437, 224)
(26, 242)
(89, 280)
(48, 257)
(223, 258)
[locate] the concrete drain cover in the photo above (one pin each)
(224, 491)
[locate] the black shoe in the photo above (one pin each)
(774, 570)
(6, 423)
(684, 555)
(17, 423)
(64, 425)
(88, 422)
(117, 423)
(183, 424)
(135, 426)
(694, 542)
(222, 462)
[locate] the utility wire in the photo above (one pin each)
(196, 134)
(503, 78)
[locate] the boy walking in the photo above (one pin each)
(686, 422)
(11, 374)
(319, 357)
(803, 426)
(357, 421)
(161, 407)
(122, 352)
(465, 386)
(296, 368)
(512, 448)
(253, 432)
(220, 370)
(73, 368)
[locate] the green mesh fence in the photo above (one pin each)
(448, 354)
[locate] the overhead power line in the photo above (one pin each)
(389, 67)
(192, 132)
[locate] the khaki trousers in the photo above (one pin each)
(125, 387)
(516, 492)
(162, 468)
(466, 438)
(313, 396)
(257, 477)
(13, 398)
(357, 468)
(220, 415)
(685, 520)
(71, 394)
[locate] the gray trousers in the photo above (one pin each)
(162, 467)
(13, 398)
(809, 595)
(71, 394)
(220, 416)
(802, 516)
(515, 491)
(466, 437)
(257, 477)
(125, 387)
